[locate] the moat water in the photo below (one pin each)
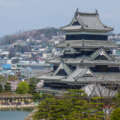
(13, 115)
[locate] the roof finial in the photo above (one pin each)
(96, 11)
(76, 12)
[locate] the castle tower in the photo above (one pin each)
(87, 55)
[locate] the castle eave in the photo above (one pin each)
(87, 44)
(85, 29)
(86, 62)
(101, 78)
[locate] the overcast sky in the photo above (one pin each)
(21, 15)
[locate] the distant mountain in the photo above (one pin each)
(39, 34)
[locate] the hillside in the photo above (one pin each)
(39, 34)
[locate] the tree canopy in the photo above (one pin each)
(7, 87)
(72, 106)
(3, 81)
(22, 88)
(115, 115)
(32, 85)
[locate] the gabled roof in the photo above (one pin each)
(87, 22)
(64, 67)
(79, 73)
(98, 90)
(100, 52)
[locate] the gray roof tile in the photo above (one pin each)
(88, 22)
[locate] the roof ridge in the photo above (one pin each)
(77, 12)
(87, 13)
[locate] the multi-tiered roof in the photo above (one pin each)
(89, 22)
(86, 54)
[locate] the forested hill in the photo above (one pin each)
(39, 34)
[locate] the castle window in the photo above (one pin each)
(86, 37)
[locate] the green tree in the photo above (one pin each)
(32, 85)
(23, 88)
(115, 115)
(7, 87)
(3, 81)
(1, 89)
(36, 97)
(32, 88)
(74, 105)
